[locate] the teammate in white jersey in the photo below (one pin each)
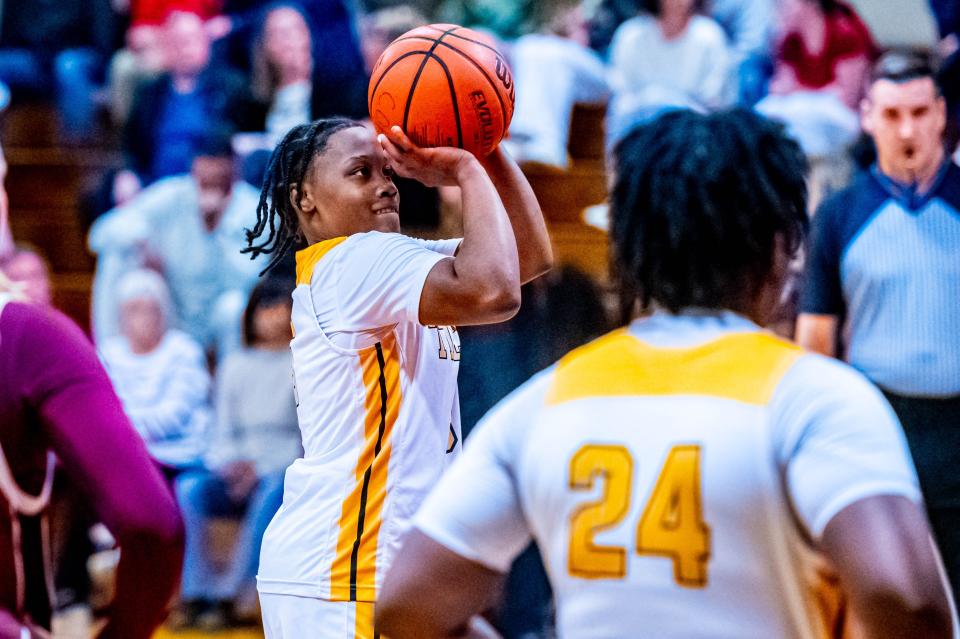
(692, 475)
(375, 352)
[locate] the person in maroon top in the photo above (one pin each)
(824, 46)
(56, 399)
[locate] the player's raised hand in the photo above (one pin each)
(437, 166)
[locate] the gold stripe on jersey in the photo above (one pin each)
(353, 572)
(364, 621)
(744, 367)
(308, 258)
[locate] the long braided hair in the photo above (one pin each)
(698, 206)
(288, 166)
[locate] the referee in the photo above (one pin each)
(883, 280)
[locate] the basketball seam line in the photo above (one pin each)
(416, 79)
(460, 37)
(453, 96)
(477, 66)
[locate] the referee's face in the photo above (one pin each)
(906, 120)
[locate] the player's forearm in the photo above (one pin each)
(533, 242)
(487, 261)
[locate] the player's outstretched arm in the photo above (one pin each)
(533, 241)
(481, 285)
(883, 551)
(431, 591)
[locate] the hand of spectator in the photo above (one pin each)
(240, 477)
(438, 166)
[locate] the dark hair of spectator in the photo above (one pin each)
(653, 6)
(699, 204)
(270, 291)
(286, 170)
(215, 143)
(902, 66)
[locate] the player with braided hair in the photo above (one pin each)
(690, 475)
(375, 351)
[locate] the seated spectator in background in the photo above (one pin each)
(749, 28)
(29, 268)
(189, 228)
(553, 69)
(58, 48)
(507, 19)
(381, 27)
(338, 64)
(669, 56)
(256, 437)
(143, 56)
(823, 56)
(159, 373)
(171, 114)
(283, 69)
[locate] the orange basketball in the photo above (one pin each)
(445, 86)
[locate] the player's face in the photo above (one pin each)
(350, 188)
(906, 121)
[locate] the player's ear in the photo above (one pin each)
(302, 199)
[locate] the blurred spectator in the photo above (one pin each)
(883, 259)
(283, 68)
(29, 268)
(669, 56)
(159, 373)
(749, 27)
(143, 56)
(553, 69)
(822, 60)
(256, 438)
(337, 61)
(190, 228)
(171, 114)
(58, 47)
(381, 27)
(6, 238)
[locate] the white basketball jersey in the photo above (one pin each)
(378, 413)
(674, 476)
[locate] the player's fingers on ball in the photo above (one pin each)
(391, 149)
(398, 137)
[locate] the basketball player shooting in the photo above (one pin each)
(375, 351)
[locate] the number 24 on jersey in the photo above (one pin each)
(671, 526)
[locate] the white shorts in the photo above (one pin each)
(292, 617)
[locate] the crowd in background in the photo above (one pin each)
(195, 340)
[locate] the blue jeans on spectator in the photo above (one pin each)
(72, 81)
(202, 495)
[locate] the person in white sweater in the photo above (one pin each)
(255, 438)
(159, 373)
(668, 56)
